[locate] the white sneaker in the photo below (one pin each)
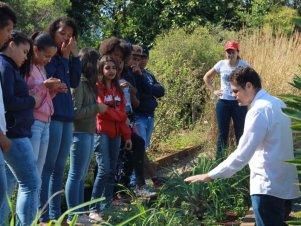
(144, 191)
(95, 217)
(82, 220)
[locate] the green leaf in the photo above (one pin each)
(297, 22)
(295, 162)
(292, 113)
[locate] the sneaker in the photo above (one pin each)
(144, 191)
(82, 220)
(95, 217)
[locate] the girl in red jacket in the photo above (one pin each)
(110, 126)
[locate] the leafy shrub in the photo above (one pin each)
(179, 61)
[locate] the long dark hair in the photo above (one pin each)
(58, 22)
(104, 59)
(20, 38)
(62, 21)
(42, 41)
(89, 60)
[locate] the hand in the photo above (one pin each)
(61, 88)
(4, 142)
(127, 122)
(102, 107)
(52, 83)
(137, 70)
(218, 92)
(128, 145)
(133, 90)
(198, 178)
(124, 84)
(73, 47)
(65, 49)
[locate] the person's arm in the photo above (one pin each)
(157, 89)
(75, 71)
(4, 142)
(11, 101)
(112, 114)
(208, 79)
(134, 99)
(254, 133)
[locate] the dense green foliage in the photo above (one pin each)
(141, 21)
(35, 15)
(179, 61)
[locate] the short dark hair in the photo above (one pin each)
(63, 20)
(108, 46)
(245, 74)
(6, 14)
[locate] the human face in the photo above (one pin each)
(231, 54)
(118, 57)
(43, 57)
(109, 70)
(245, 95)
(5, 32)
(63, 35)
(143, 62)
(135, 61)
(19, 52)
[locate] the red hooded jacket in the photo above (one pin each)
(113, 121)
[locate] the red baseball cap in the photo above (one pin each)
(232, 44)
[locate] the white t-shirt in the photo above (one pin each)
(224, 69)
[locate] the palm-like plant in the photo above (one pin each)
(293, 110)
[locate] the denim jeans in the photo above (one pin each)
(107, 152)
(2, 180)
(270, 210)
(225, 110)
(22, 165)
(80, 157)
(39, 141)
(60, 139)
(145, 126)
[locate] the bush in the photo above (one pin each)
(179, 61)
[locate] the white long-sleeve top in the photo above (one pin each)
(265, 144)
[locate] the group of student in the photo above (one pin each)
(57, 102)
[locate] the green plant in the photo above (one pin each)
(293, 110)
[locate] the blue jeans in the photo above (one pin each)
(2, 180)
(80, 157)
(145, 126)
(22, 165)
(39, 141)
(107, 152)
(270, 210)
(60, 138)
(225, 110)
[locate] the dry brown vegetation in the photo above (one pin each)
(274, 56)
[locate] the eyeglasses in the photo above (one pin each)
(230, 51)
